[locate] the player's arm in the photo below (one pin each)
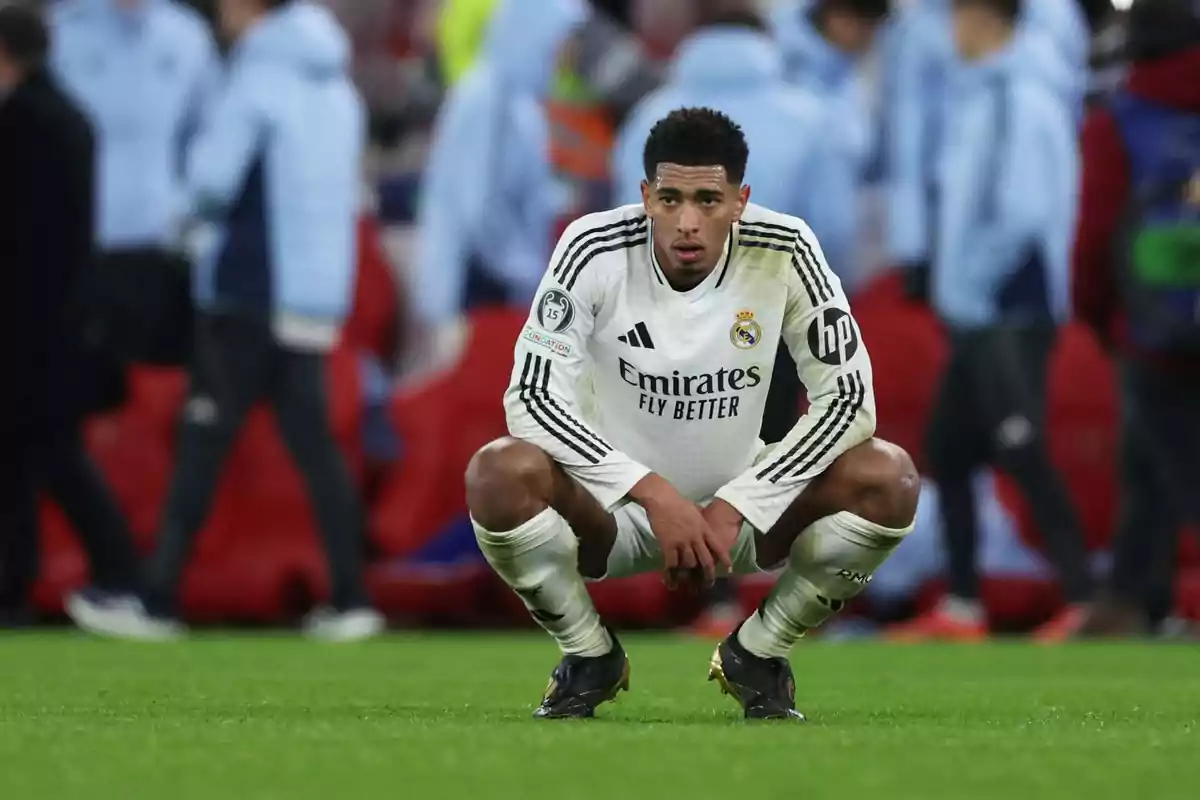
(827, 346)
(541, 403)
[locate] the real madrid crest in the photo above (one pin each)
(745, 333)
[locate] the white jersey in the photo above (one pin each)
(617, 374)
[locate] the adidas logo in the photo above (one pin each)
(637, 336)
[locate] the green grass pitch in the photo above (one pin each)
(447, 716)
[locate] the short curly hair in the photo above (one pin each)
(697, 137)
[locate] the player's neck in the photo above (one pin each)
(680, 282)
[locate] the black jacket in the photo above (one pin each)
(46, 244)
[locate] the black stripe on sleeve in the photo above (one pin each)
(771, 226)
(831, 433)
(750, 229)
(814, 264)
(574, 426)
(779, 248)
(634, 238)
(528, 376)
(859, 398)
(833, 408)
(808, 287)
(811, 273)
(590, 237)
(584, 252)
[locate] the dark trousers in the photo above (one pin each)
(990, 410)
(1160, 482)
(59, 465)
(137, 305)
(235, 363)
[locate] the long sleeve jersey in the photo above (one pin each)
(617, 374)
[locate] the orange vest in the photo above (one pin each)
(581, 141)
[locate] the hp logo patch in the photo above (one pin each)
(555, 311)
(832, 337)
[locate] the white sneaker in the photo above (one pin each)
(119, 616)
(344, 626)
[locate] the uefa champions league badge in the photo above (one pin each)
(746, 332)
(555, 311)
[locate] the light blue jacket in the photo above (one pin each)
(813, 63)
(488, 192)
(277, 167)
(918, 56)
(1009, 180)
(140, 75)
(1066, 25)
(796, 166)
(918, 60)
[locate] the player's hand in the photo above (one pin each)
(725, 522)
(686, 541)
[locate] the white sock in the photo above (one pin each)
(831, 562)
(538, 560)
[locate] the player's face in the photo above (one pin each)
(851, 33)
(236, 16)
(970, 31)
(692, 209)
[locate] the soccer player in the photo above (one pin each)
(634, 408)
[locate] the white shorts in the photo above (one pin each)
(636, 549)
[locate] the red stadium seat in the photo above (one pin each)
(441, 424)
(907, 350)
(374, 323)
(458, 594)
(1187, 594)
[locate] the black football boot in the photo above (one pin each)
(764, 687)
(580, 683)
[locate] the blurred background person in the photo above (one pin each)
(461, 27)
(824, 43)
(46, 248)
(1139, 212)
(486, 215)
(602, 72)
(919, 60)
(732, 64)
(139, 69)
(612, 64)
(1007, 193)
(274, 176)
(918, 53)
(1065, 23)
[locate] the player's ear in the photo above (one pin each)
(743, 199)
(646, 194)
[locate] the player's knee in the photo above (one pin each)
(508, 483)
(883, 483)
